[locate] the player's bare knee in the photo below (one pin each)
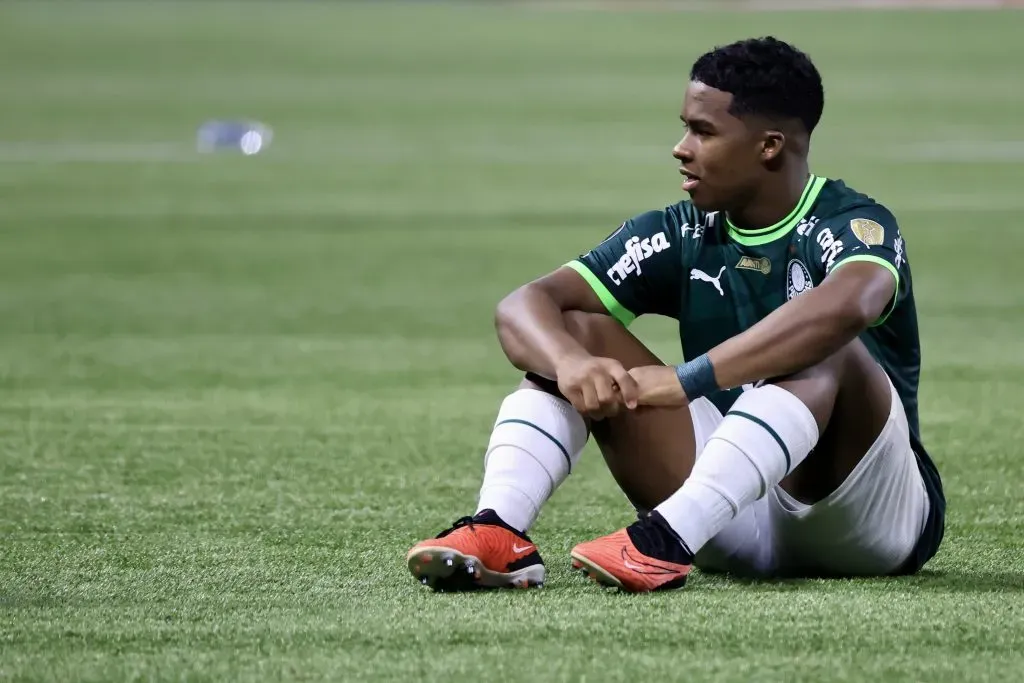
(818, 386)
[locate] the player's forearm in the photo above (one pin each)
(808, 329)
(794, 337)
(791, 339)
(532, 333)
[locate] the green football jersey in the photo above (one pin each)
(718, 280)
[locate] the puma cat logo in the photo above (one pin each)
(696, 274)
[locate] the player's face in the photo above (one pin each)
(719, 154)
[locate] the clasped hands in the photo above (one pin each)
(601, 387)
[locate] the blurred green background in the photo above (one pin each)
(234, 390)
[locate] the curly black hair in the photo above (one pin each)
(766, 77)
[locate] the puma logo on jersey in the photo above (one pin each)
(898, 245)
(696, 274)
(637, 251)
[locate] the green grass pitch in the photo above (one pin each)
(234, 391)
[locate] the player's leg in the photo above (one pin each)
(766, 439)
(850, 397)
(768, 436)
(858, 505)
(651, 452)
(536, 441)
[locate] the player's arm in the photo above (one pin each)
(797, 335)
(804, 331)
(628, 274)
(531, 325)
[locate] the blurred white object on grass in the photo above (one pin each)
(247, 137)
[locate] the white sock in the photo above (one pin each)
(741, 462)
(537, 439)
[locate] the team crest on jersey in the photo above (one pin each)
(868, 231)
(798, 279)
(762, 265)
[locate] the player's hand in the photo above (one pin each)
(596, 387)
(658, 386)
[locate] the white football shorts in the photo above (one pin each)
(866, 527)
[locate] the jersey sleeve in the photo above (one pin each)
(869, 234)
(636, 270)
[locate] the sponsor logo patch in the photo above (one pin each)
(806, 226)
(830, 248)
(637, 251)
(762, 265)
(868, 231)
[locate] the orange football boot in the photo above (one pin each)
(644, 557)
(477, 552)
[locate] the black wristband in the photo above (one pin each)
(697, 377)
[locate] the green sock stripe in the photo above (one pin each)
(553, 439)
(767, 428)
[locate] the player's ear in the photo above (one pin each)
(772, 143)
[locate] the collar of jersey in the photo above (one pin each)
(753, 238)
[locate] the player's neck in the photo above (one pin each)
(774, 201)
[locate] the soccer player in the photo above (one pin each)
(788, 443)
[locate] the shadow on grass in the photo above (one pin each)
(960, 581)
